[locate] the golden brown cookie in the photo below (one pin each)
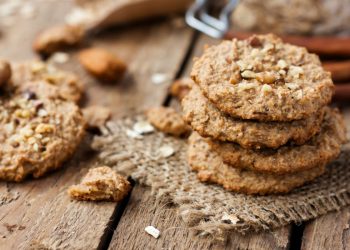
(101, 184)
(167, 120)
(208, 121)
(39, 132)
(319, 150)
(263, 78)
(69, 85)
(211, 168)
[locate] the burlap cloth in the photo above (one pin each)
(204, 207)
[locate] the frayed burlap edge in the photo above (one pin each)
(209, 209)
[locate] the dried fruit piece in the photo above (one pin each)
(167, 120)
(96, 116)
(102, 64)
(5, 72)
(57, 38)
(101, 184)
(181, 87)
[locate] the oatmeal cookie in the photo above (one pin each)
(211, 168)
(101, 184)
(208, 121)
(167, 120)
(263, 78)
(320, 149)
(70, 86)
(39, 133)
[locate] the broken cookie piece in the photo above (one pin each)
(5, 72)
(57, 38)
(101, 184)
(96, 116)
(167, 120)
(181, 87)
(102, 64)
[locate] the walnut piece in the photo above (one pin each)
(5, 72)
(167, 120)
(101, 184)
(57, 38)
(102, 64)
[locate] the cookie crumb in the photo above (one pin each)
(167, 120)
(181, 87)
(101, 184)
(151, 230)
(57, 38)
(102, 64)
(96, 116)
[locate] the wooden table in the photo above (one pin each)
(38, 214)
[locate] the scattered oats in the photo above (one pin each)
(266, 88)
(160, 78)
(143, 127)
(42, 113)
(243, 65)
(151, 230)
(248, 74)
(28, 11)
(133, 134)
(60, 57)
(36, 147)
(166, 151)
(79, 16)
(282, 64)
(230, 218)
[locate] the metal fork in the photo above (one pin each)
(199, 18)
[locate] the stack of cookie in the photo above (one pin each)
(259, 113)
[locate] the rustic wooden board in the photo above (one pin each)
(38, 213)
(142, 211)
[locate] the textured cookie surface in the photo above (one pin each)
(262, 78)
(319, 150)
(211, 168)
(208, 121)
(101, 184)
(69, 85)
(39, 132)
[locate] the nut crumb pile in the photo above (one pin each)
(260, 116)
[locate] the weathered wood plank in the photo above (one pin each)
(142, 211)
(40, 214)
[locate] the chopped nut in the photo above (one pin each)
(248, 74)
(266, 88)
(282, 64)
(43, 128)
(255, 42)
(5, 72)
(151, 230)
(295, 71)
(57, 38)
(101, 184)
(292, 86)
(266, 77)
(246, 85)
(102, 64)
(42, 113)
(36, 147)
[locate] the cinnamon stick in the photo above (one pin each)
(340, 70)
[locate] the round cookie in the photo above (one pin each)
(208, 121)
(263, 78)
(319, 150)
(39, 132)
(69, 85)
(211, 168)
